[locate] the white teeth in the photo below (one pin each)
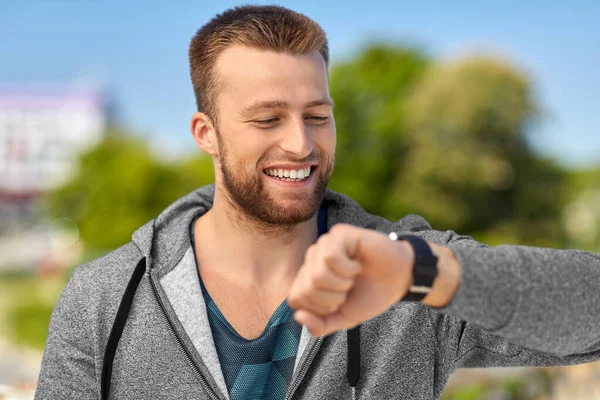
(289, 175)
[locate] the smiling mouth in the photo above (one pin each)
(290, 175)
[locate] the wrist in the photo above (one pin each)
(406, 264)
(433, 274)
(423, 266)
(447, 280)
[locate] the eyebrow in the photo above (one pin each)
(282, 104)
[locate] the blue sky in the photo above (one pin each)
(138, 50)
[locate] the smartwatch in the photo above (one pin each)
(425, 269)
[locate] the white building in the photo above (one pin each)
(42, 131)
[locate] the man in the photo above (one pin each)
(198, 304)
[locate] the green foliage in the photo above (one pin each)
(369, 94)
(120, 185)
(471, 392)
(531, 385)
(30, 323)
(581, 216)
(447, 141)
(26, 303)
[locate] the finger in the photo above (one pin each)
(325, 279)
(332, 255)
(313, 322)
(321, 326)
(302, 282)
(322, 302)
(303, 295)
(349, 237)
(310, 254)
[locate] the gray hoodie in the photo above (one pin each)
(515, 306)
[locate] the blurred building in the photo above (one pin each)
(42, 130)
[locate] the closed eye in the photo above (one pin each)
(265, 121)
(318, 118)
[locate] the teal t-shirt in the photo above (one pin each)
(261, 368)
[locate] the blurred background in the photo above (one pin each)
(479, 116)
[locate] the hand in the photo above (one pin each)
(350, 275)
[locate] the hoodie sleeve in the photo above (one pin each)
(68, 367)
(520, 305)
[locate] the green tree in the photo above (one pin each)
(120, 185)
(370, 92)
(581, 216)
(447, 141)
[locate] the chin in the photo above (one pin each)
(291, 212)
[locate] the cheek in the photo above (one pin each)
(326, 140)
(333, 140)
(246, 154)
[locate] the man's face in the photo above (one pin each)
(276, 133)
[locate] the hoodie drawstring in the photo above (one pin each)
(353, 372)
(118, 326)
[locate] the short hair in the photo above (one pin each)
(271, 28)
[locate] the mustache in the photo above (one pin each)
(312, 157)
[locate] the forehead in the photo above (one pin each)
(247, 75)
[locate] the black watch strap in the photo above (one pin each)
(425, 268)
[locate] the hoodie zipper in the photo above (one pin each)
(313, 352)
(173, 333)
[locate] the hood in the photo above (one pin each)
(164, 240)
(161, 239)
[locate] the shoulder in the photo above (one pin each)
(90, 298)
(104, 279)
(111, 267)
(343, 209)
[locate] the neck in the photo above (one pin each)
(250, 250)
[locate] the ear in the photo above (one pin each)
(204, 133)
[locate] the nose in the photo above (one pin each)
(296, 139)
